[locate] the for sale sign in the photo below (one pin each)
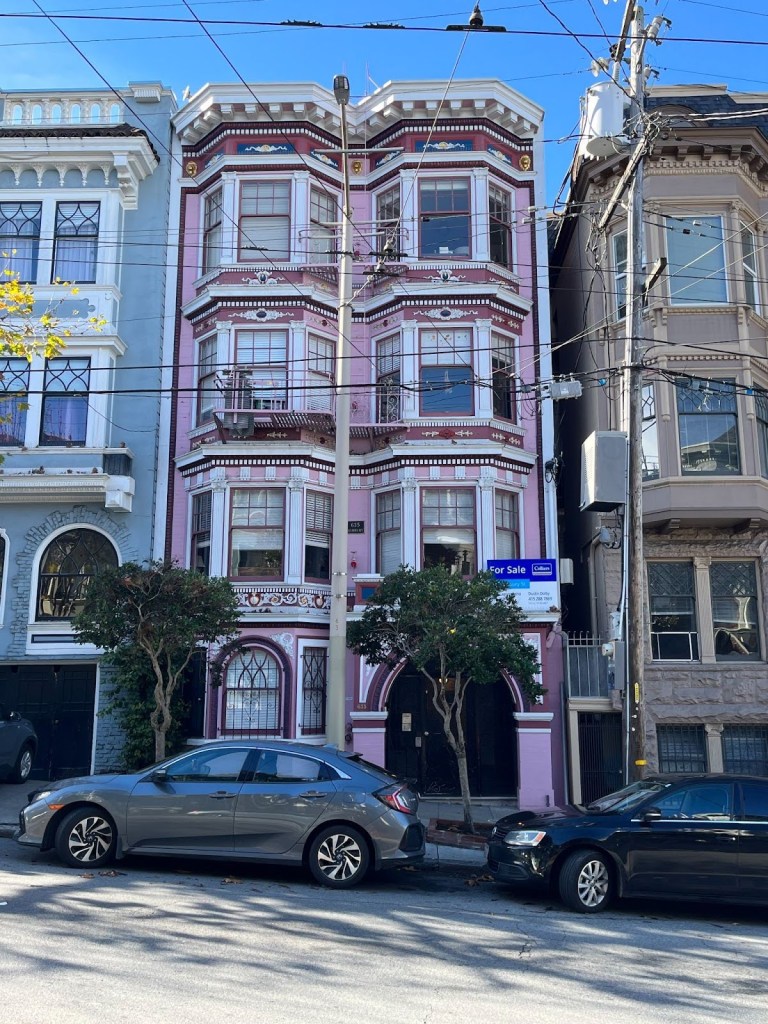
(534, 581)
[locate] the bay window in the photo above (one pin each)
(734, 611)
(64, 419)
(323, 214)
(258, 532)
(20, 238)
(502, 371)
(388, 379)
(212, 231)
(500, 218)
(388, 220)
(200, 560)
(206, 379)
(507, 525)
(75, 242)
(388, 527)
(320, 373)
(265, 222)
(14, 387)
(620, 263)
(448, 529)
(446, 372)
(444, 217)
(262, 369)
(708, 426)
(318, 523)
(749, 267)
(650, 434)
(696, 256)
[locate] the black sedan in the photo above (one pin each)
(669, 837)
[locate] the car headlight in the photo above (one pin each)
(42, 794)
(523, 838)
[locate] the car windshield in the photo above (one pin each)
(626, 799)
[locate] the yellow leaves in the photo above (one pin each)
(22, 332)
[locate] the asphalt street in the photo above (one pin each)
(180, 942)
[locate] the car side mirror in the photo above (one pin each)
(652, 814)
(158, 776)
(13, 716)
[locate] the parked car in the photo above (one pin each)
(18, 746)
(668, 837)
(272, 802)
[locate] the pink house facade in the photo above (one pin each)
(451, 429)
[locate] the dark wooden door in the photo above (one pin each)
(59, 701)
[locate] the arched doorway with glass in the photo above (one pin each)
(416, 747)
(67, 567)
(254, 694)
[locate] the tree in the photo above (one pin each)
(163, 611)
(449, 628)
(21, 332)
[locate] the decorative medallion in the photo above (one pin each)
(262, 315)
(454, 145)
(286, 641)
(263, 277)
(190, 168)
(265, 148)
(444, 313)
(447, 277)
(357, 166)
(525, 162)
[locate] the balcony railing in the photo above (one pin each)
(588, 668)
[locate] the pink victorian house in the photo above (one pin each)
(451, 428)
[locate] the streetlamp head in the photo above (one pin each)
(341, 89)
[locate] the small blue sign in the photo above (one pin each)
(522, 573)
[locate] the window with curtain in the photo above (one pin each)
(500, 217)
(444, 218)
(200, 559)
(65, 402)
(507, 525)
(14, 387)
(258, 532)
(388, 379)
(265, 222)
(388, 221)
(672, 601)
(733, 586)
(708, 426)
(212, 231)
(318, 523)
(448, 529)
(446, 372)
(262, 369)
(20, 238)
(749, 267)
(320, 373)
(503, 374)
(76, 242)
(207, 392)
(323, 215)
(696, 261)
(252, 694)
(67, 567)
(314, 665)
(388, 531)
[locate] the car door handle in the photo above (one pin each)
(222, 795)
(313, 794)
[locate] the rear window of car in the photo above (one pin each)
(372, 769)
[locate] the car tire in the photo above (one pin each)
(338, 857)
(586, 882)
(23, 766)
(86, 838)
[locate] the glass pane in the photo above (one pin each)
(682, 748)
(696, 260)
(745, 752)
(734, 610)
(66, 569)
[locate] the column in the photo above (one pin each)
(409, 215)
(298, 368)
(704, 611)
(409, 369)
(294, 526)
(483, 393)
(301, 243)
(534, 752)
(481, 249)
(228, 219)
(219, 525)
(410, 520)
(714, 734)
(486, 546)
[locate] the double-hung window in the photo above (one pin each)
(388, 527)
(446, 372)
(388, 379)
(500, 218)
(14, 387)
(620, 263)
(317, 539)
(323, 214)
(696, 258)
(444, 217)
(65, 402)
(20, 238)
(212, 231)
(262, 369)
(206, 380)
(507, 525)
(708, 426)
(448, 529)
(76, 242)
(320, 373)
(387, 222)
(672, 600)
(503, 371)
(258, 532)
(734, 610)
(749, 267)
(201, 533)
(265, 222)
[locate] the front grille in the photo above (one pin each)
(413, 838)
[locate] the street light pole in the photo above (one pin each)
(337, 635)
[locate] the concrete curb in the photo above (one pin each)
(7, 830)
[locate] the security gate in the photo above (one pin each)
(599, 754)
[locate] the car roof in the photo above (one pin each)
(672, 777)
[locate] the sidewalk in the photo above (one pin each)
(445, 845)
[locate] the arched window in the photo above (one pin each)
(75, 113)
(69, 564)
(95, 113)
(37, 114)
(56, 113)
(18, 113)
(252, 694)
(114, 113)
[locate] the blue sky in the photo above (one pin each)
(553, 70)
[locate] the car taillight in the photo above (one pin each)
(399, 798)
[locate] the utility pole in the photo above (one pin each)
(336, 690)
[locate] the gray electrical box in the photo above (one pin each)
(603, 471)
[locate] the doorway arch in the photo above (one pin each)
(416, 748)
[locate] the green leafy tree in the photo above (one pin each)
(163, 611)
(449, 628)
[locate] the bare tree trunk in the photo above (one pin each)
(452, 720)
(461, 760)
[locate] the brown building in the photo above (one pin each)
(705, 439)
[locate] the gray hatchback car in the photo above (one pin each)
(267, 801)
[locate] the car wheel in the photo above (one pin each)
(86, 838)
(586, 883)
(23, 765)
(338, 857)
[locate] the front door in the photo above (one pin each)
(192, 808)
(416, 748)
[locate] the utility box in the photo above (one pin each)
(603, 471)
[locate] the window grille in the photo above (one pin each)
(314, 676)
(682, 748)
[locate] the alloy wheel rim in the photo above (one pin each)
(593, 882)
(25, 765)
(90, 839)
(339, 857)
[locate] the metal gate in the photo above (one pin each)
(600, 745)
